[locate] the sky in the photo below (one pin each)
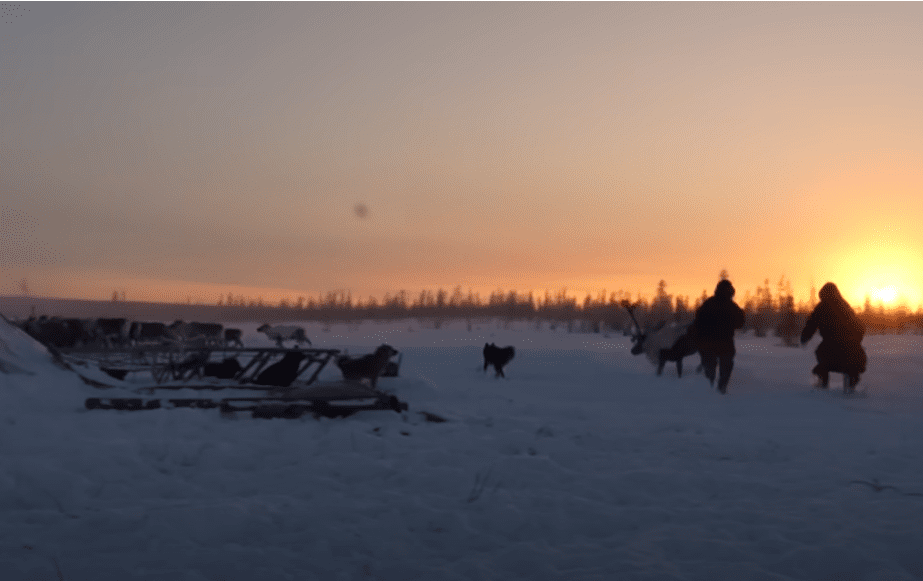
(174, 151)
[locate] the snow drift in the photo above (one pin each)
(582, 465)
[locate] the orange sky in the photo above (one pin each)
(191, 150)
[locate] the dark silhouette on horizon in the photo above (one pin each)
(841, 332)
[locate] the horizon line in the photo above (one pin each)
(898, 303)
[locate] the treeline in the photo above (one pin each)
(439, 304)
(770, 309)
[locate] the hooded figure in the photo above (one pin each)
(841, 335)
(715, 322)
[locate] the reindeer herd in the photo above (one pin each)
(114, 333)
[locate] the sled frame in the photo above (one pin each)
(168, 363)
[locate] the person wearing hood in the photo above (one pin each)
(841, 334)
(714, 325)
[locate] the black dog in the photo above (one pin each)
(283, 373)
(498, 357)
(368, 366)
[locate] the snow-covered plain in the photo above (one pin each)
(582, 464)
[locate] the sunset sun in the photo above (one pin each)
(886, 294)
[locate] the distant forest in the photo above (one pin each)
(771, 309)
(768, 310)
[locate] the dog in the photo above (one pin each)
(283, 373)
(498, 357)
(368, 366)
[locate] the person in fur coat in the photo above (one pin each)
(841, 334)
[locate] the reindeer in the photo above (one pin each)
(663, 342)
(281, 333)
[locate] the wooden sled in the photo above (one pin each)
(172, 367)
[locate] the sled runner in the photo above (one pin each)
(328, 399)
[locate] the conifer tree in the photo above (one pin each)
(681, 312)
(761, 319)
(662, 309)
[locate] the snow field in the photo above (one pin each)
(581, 465)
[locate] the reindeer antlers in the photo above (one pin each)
(631, 313)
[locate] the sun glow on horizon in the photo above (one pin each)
(885, 267)
(886, 294)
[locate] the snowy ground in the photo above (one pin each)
(582, 464)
